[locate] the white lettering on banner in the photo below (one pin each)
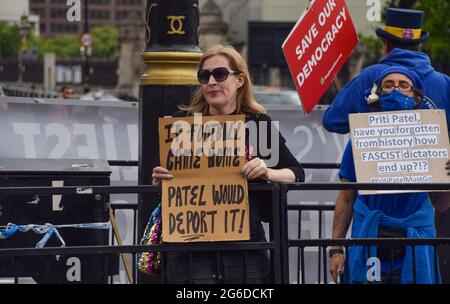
(308, 146)
(133, 140)
(62, 135)
(27, 131)
(306, 41)
(309, 141)
(90, 150)
(381, 155)
(130, 174)
(427, 129)
(317, 56)
(399, 147)
(396, 142)
(111, 150)
(322, 137)
(418, 130)
(125, 219)
(110, 141)
(390, 119)
(313, 32)
(364, 132)
(384, 142)
(340, 146)
(425, 153)
(309, 222)
(403, 167)
(402, 179)
(425, 140)
(326, 12)
(62, 143)
(56, 199)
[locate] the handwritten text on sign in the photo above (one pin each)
(207, 200)
(203, 209)
(400, 147)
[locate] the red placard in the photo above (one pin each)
(317, 48)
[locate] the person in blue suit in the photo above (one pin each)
(402, 36)
(409, 215)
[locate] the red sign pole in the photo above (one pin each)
(318, 47)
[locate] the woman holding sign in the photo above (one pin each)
(385, 215)
(226, 89)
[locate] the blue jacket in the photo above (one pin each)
(417, 225)
(351, 98)
(411, 212)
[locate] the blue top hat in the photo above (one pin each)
(403, 26)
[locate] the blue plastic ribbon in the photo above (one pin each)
(48, 230)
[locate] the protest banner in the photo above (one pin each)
(207, 200)
(317, 48)
(203, 142)
(400, 147)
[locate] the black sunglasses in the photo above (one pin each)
(219, 74)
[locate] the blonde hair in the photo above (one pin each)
(245, 100)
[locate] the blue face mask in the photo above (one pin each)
(397, 101)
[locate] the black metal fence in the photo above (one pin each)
(278, 244)
(318, 248)
(111, 252)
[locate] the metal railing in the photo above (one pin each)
(278, 245)
(300, 210)
(324, 244)
(273, 245)
(321, 245)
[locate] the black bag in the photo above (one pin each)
(384, 252)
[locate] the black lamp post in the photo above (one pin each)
(171, 55)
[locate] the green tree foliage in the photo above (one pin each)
(402, 3)
(65, 45)
(437, 22)
(68, 45)
(9, 40)
(106, 41)
(374, 45)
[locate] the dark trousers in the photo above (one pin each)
(209, 268)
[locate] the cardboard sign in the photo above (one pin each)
(317, 48)
(400, 147)
(206, 143)
(207, 200)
